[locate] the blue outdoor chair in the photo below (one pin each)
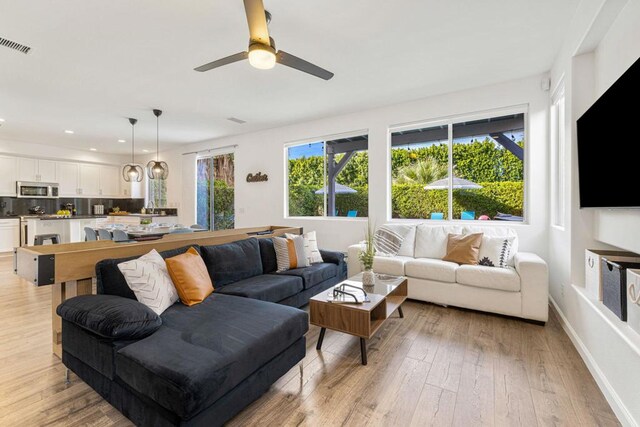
(437, 215)
(352, 214)
(468, 215)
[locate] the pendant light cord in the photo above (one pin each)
(133, 143)
(157, 137)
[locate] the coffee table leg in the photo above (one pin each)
(321, 338)
(400, 312)
(363, 351)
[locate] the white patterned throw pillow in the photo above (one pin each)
(495, 251)
(149, 280)
(290, 253)
(310, 246)
(387, 239)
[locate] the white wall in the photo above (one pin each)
(263, 203)
(601, 45)
(45, 151)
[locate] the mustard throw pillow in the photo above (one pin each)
(190, 277)
(463, 248)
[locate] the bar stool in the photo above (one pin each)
(39, 239)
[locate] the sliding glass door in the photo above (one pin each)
(215, 192)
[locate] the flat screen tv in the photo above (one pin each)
(609, 173)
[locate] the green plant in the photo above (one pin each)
(369, 251)
(421, 172)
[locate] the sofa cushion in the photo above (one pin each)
(268, 256)
(431, 269)
(431, 240)
(233, 261)
(202, 352)
(497, 231)
(110, 316)
(266, 287)
(502, 279)
(463, 248)
(408, 244)
(388, 238)
(190, 277)
(313, 274)
(110, 281)
(390, 265)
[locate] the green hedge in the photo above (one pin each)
(223, 204)
(412, 201)
(304, 202)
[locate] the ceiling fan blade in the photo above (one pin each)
(224, 61)
(289, 60)
(257, 20)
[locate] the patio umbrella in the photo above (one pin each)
(340, 189)
(458, 183)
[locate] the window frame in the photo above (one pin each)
(450, 121)
(315, 140)
(558, 141)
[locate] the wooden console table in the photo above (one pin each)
(70, 267)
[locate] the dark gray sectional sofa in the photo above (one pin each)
(199, 365)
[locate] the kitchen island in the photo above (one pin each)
(71, 229)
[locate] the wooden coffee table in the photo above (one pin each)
(361, 320)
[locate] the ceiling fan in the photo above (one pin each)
(262, 52)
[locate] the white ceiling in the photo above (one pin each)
(94, 63)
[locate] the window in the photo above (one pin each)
(215, 192)
(459, 170)
(328, 178)
(158, 192)
(557, 157)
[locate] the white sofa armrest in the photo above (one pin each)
(354, 266)
(534, 285)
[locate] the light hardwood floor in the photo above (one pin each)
(437, 366)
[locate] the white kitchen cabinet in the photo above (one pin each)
(8, 176)
(133, 190)
(164, 219)
(36, 170)
(9, 234)
(47, 171)
(68, 176)
(109, 181)
(89, 180)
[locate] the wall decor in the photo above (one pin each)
(258, 177)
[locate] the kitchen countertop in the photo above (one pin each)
(50, 217)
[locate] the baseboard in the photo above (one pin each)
(610, 394)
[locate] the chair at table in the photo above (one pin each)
(468, 215)
(120, 236)
(90, 234)
(181, 230)
(352, 214)
(197, 227)
(437, 215)
(104, 234)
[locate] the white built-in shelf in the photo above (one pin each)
(622, 328)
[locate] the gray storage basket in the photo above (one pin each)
(614, 286)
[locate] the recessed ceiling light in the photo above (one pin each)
(121, 140)
(70, 132)
(93, 149)
(145, 151)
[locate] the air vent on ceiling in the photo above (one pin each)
(15, 46)
(236, 120)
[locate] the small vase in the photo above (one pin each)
(368, 278)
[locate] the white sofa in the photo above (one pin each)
(521, 290)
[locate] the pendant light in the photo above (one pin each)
(155, 168)
(132, 172)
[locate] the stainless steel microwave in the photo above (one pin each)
(40, 190)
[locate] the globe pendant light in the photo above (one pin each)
(155, 168)
(132, 172)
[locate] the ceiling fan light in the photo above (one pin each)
(262, 57)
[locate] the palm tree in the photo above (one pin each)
(421, 172)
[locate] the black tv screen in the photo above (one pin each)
(609, 173)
